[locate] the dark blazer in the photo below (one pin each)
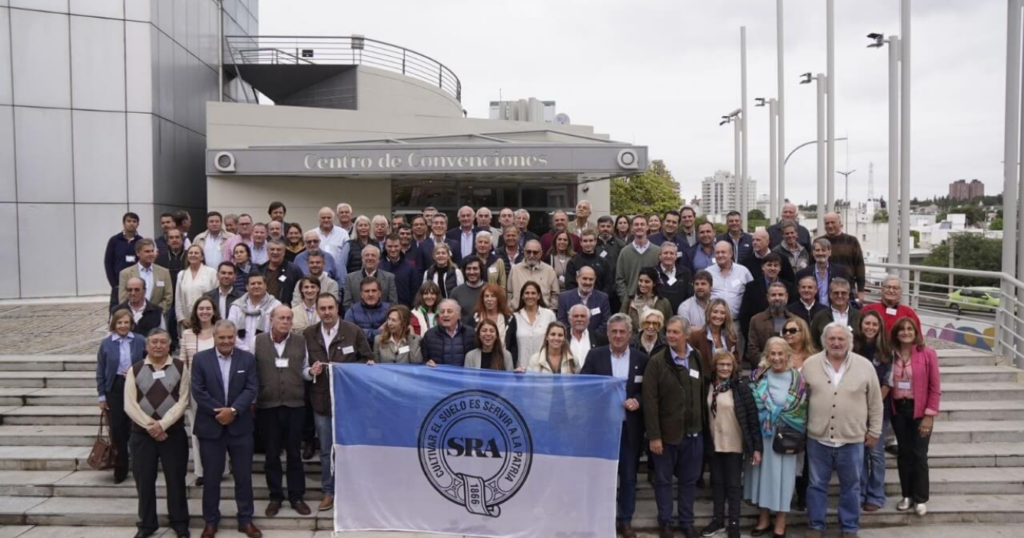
(597, 299)
(834, 271)
(599, 362)
(120, 255)
(455, 237)
(823, 318)
(152, 317)
(797, 309)
(802, 236)
(746, 245)
(109, 357)
(762, 327)
(285, 288)
(208, 392)
(753, 264)
(353, 291)
(681, 289)
(427, 251)
(214, 294)
(407, 277)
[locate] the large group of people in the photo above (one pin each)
(235, 328)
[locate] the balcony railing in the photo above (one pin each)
(350, 50)
(996, 327)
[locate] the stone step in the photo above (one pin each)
(74, 458)
(979, 374)
(53, 380)
(48, 363)
(981, 410)
(978, 392)
(978, 431)
(965, 357)
(51, 415)
(80, 396)
(71, 511)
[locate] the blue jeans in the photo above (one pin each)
(872, 480)
(682, 461)
(848, 462)
(325, 431)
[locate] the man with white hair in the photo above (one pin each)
(582, 220)
(483, 222)
(465, 233)
(345, 219)
(521, 219)
(532, 268)
(846, 253)
(581, 338)
(371, 268)
(844, 415)
(313, 242)
(333, 239)
(379, 230)
(789, 213)
(449, 340)
(596, 301)
(729, 279)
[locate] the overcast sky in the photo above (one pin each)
(660, 73)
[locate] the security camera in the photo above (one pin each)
(735, 113)
(805, 78)
(759, 101)
(878, 40)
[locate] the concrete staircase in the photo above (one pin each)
(48, 418)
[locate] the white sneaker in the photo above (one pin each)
(921, 509)
(904, 505)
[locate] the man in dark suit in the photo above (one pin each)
(438, 235)
(789, 213)
(464, 235)
(618, 360)
(759, 251)
(581, 337)
(224, 385)
(755, 296)
(597, 302)
(823, 270)
(839, 309)
(806, 305)
(225, 293)
(147, 315)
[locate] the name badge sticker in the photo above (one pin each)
(281, 363)
(695, 374)
(492, 269)
(595, 311)
(403, 349)
(903, 385)
(890, 311)
(159, 283)
(282, 278)
(159, 375)
(638, 379)
(129, 259)
(604, 253)
(348, 349)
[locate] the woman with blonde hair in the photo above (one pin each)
(193, 282)
(797, 334)
(555, 356)
(396, 342)
(360, 238)
(718, 333)
(443, 272)
(559, 254)
(650, 339)
(781, 399)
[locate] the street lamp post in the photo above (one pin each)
(830, 23)
(773, 160)
(905, 239)
(894, 141)
(742, 192)
(781, 106)
(734, 118)
(821, 81)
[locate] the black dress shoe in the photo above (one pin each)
(199, 482)
(144, 534)
(308, 452)
(301, 507)
(121, 477)
(759, 532)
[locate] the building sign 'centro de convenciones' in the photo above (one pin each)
(415, 160)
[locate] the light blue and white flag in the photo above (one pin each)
(478, 452)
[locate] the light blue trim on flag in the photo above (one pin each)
(567, 415)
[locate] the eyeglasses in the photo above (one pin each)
(891, 288)
(651, 324)
(312, 241)
(790, 330)
(531, 252)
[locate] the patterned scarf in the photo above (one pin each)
(724, 386)
(793, 412)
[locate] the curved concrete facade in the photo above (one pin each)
(393, 93)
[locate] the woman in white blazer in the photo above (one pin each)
(193, 282)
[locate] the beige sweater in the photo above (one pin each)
(847, 414)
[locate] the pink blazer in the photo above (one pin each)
(926, 385)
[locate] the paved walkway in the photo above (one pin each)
(65, 329)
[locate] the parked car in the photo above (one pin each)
(980, 299)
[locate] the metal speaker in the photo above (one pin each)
(628, 159)
(224, 162)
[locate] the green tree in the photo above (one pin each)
(654, 191)
(756, 214)
(970, 251)
(882, 215)
(997, 224)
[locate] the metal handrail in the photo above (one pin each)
(343, 50)
(1008, 324)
